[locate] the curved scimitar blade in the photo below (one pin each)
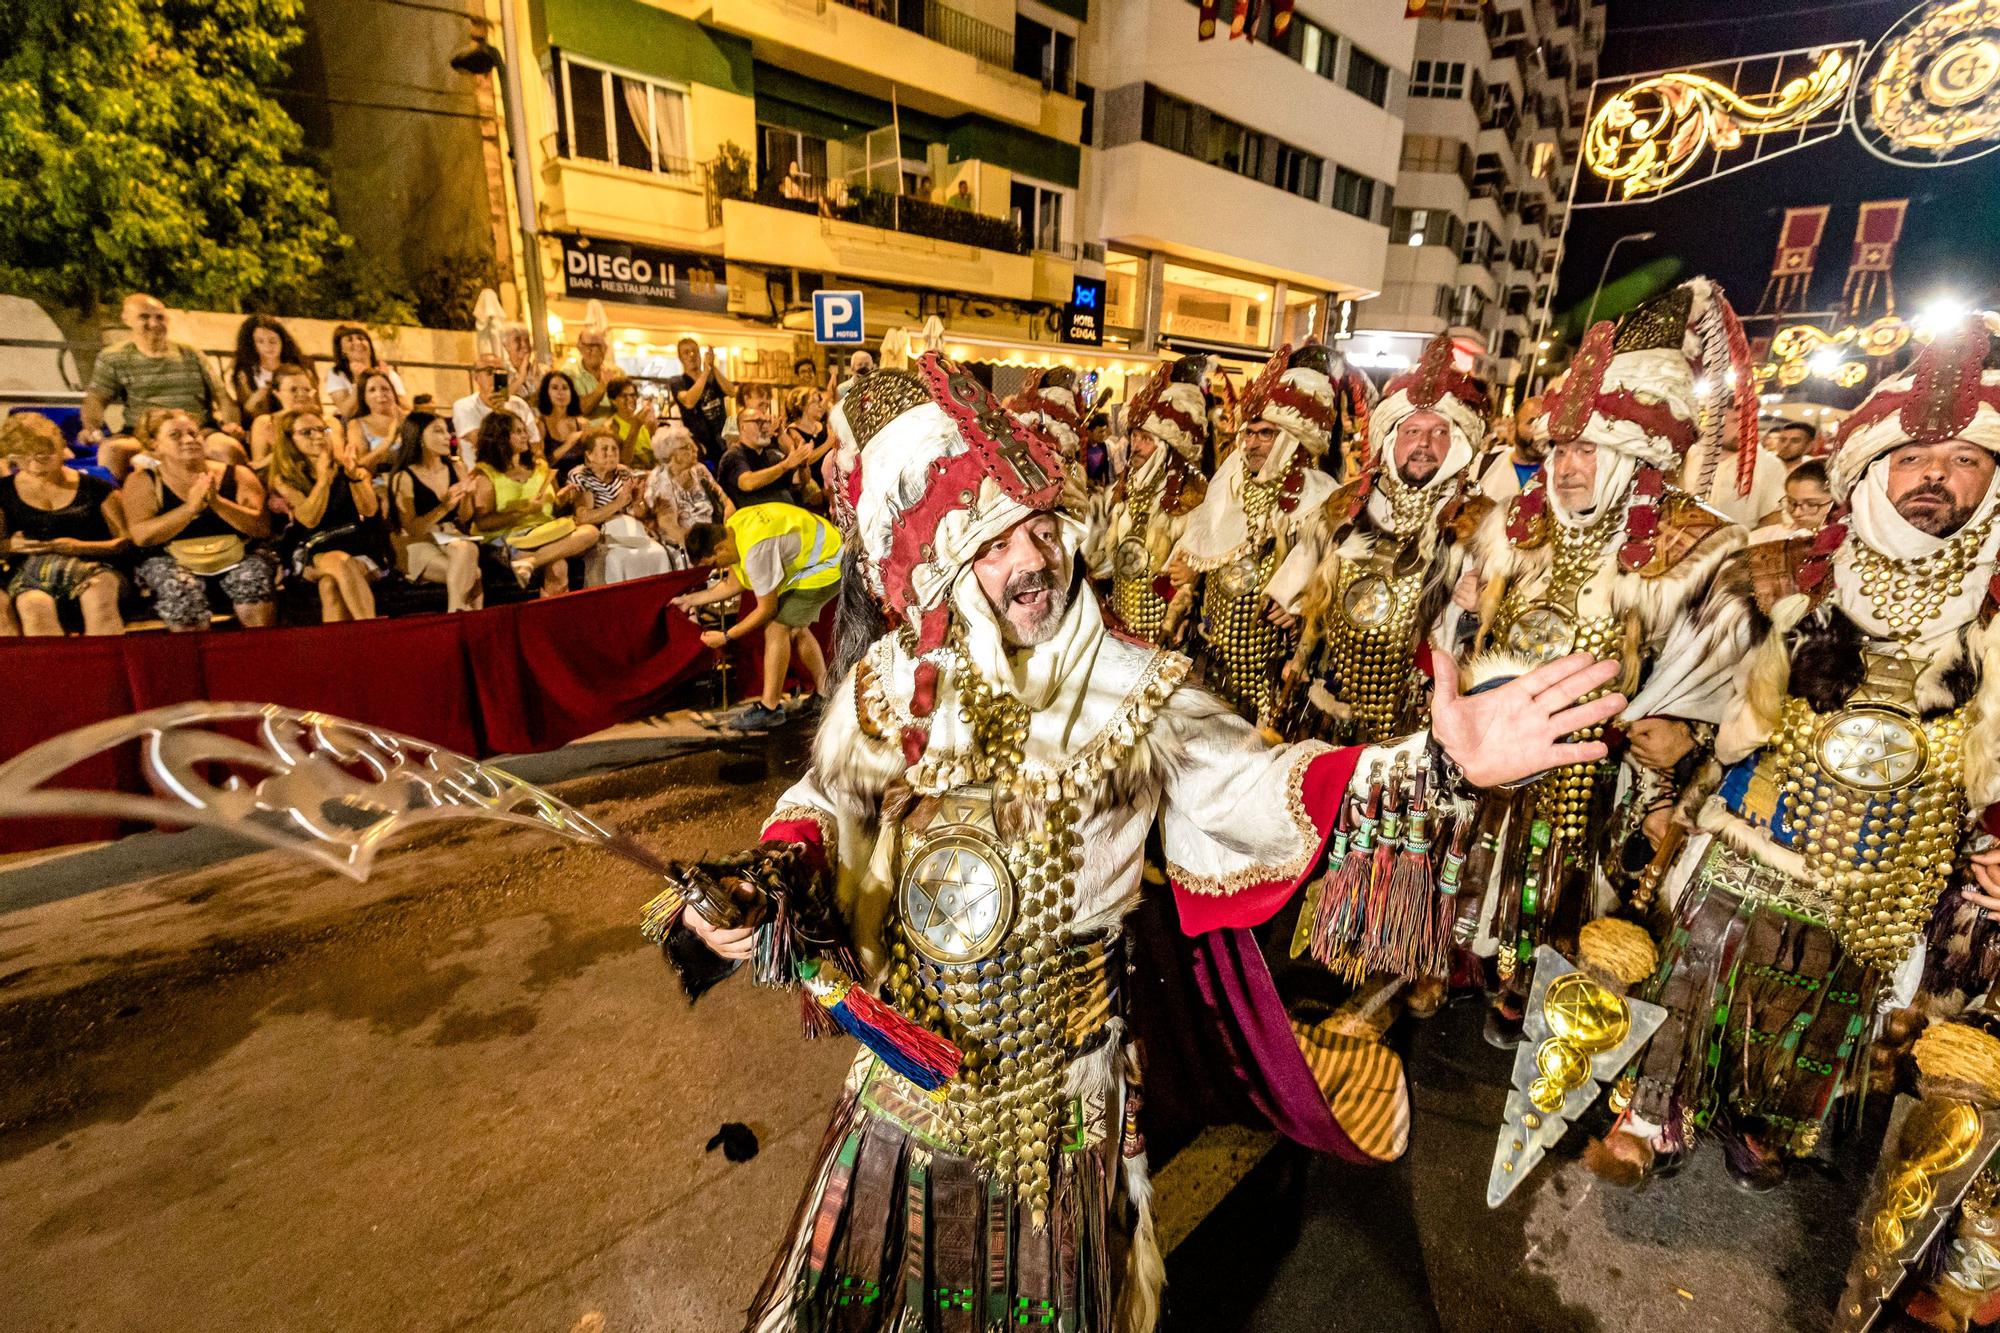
(321, 787)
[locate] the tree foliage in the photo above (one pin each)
(139, 152)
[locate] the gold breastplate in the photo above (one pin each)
(1544, 625)
(1132, 595)
(1371, 645)
(1875, 798)
(980, 952)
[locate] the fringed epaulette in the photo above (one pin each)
(1461, 515)
(1529, 523)
(1185, 495)
(1685, 524)
(1347, 501)
(1771, 569)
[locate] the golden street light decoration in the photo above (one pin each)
(1646, 137)
(1929, 95)
(1802, 350)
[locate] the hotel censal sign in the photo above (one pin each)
(643, 274)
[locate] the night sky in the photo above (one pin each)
(1728, 228)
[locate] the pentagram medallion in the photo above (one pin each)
(956, 897)
(1367, 602)
(1236, 579)
(1132, 560)
(1542, 633)
(1929, 91)
(1584, 1014)
(1871, 749)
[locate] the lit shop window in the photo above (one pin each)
(1124, 291)
(1197, 303)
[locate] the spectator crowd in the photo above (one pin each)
(275, 490)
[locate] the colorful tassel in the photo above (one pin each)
(1418, 947)
(1336, 852)
(1337, 933)
(916, 1053)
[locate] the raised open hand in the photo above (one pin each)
(1516, 730)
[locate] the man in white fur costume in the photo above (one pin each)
(1857, 751)
(1598, 554)
(1260, 531)
(1394, 553)
(967, 844)
(1166, 436)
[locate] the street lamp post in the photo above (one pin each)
(1605, 272)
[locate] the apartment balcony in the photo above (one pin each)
(798, 221)
(596, 198)
(927, 54)
(1157, 199)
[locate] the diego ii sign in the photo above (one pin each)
(643, 274)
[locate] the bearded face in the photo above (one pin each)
(1938, 487)
(1024, 573)
(1143, 444)
(1423, 438)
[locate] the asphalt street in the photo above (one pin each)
(239, 1093)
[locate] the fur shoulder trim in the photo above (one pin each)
(1982, 723)
(855, 755)
(1762, 680)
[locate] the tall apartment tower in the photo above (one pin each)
(1497, 97)
(1242, 189)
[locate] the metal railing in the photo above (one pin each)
(840, 201)
(944, 25)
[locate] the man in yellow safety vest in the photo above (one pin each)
(790, 559)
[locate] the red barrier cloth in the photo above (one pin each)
(512, 679)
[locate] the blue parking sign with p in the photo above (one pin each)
(837, 317)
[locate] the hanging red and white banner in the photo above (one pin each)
(1798, 252)
(1869, 273)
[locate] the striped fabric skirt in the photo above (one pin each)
(900, 1232)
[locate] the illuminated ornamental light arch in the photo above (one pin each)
(1929, 95)
(1925, 94)
(1649, 135)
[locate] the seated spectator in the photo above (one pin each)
(632, 422)
(514, 501)
(371, 435)
(263, 346)
(523, 370)
(555, 406)
(333, 538)
(154, 371)
(754, 470)
(491, 391)
(295, 390)
(791, 560)
(192, 520)
(353, 354)
(591, 371)
(430, 501)
(681, 493)
(63, 526)
(610, 497)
